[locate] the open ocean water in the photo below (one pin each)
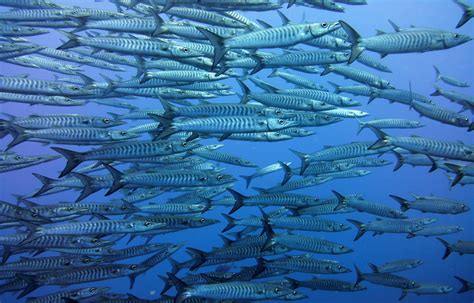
(416, 68)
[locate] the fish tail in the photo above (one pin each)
(159, 29)
(245, 92)
(471, 127)
(73, 159)
(465, 284)
(226, 241)
(259, 64)
(438, 74)
(239, 200)
(32, 284)
(434, 165)
(261, 262)
(288, 173)
(169, 129)
(448, 250)
(181, 293)
(459, 173)
(175, 266)
(327, 69)
(360, 124)
(403, 294)
(88, 183)
(437, 91)
(219, 45)
(46, 184)
(18, 133)
(73, 40)
(199, 256)
(337, 88)
(354, 38)
(230, 223)
(304, 160)
(166, 284)
(274, 73)
(290, 3)
(404, 205)
(360, 229)
(341, 201)
(467, 13)
(270, 237)
(382, 138)
(400, 161)
(359, 277)
(117, 177)
(169, 109)
(293, 282)
(247, 179)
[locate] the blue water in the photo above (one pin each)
(417, 68)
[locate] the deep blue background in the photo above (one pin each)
(417, 68)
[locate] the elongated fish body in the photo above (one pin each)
(329, 42)
(437, 230)
(50, 241)
(307, 223)
(8, 30)
(428, 289)
(324, 167)
(297, 184)
(345, 113)
(364, 162)
(275, 199)
(351, 150)
(7, 168)
(290, 102)
(441, 114)
(388, 226)
(432, 205)
(204, 16)
(386, 279)
(295, 132)
(434, 147)
(132, 46)
(29, 4)
(358, 75)
(64, 120)
(465, 100)
(75, 294)
(373, 63)
(375, 208)
(461, 247)
(304, 58)
(99, 227)
(224, 157)
(45, 63)
(310, 244)
(390, 123)
(49, 263)
(39, 14)
(298, 81)
(173, 208)
(346, 174)
(256, 137)
(396, 266)
(235, 290)
(449, 80)
(184, 76)
(238, 252)
(304, 263)
(328, 97)
(22, 85)
(357, 90)
(327, 284)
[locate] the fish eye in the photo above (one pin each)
(203, 179)
(277, 134)
(86, 260)
(281, 121)
(75, 88)
(412, 283)
(339, 266)
(341, 246)
(133, 267)
(185, 49)
(220, 177)
(93, 289)
(147, 223)
(69, 208)
(456, 35)
(17, 157)
(276, 290)
(95, 240)
(123, 133)
(34, 215)
(106, 120)
(346, 54)
(324, 25)
(202, 220)
(184, 144)
(278, 111)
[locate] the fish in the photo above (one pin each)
(402, 42)
(427, 289)
(396, 266)
(449, 80)
(467, 12)
(381, 226)
(389, 123)
(386, 279)
(461, 247)
(432, 204)
(466, 285)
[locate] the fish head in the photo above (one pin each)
(319, 29)
(414, 124)
(363, 172)
(89, 292)
(274, 291)
(103, 122)
(31, 31)
(344, 166)
(300, 132)
(181, 51)
(341, 57)
(462, 121)
(386, 84)
(463, 207)
(178, 147)
(454, 39)
(65, 101)
(84, 261)
(276, 124)
(223, 178)
(277, 112)
(412, 284)
(341, 249)
(275, 136)
(397, 214)
(320, 105)
(201, 221)
(120, 135)
(144, 225)
(89, 242)
(74, 90)
(211, 147)
(67, 210)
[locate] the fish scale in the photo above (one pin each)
(307, 223)
(64, 120)
(204, 16)
(320, 95)
(304, 263)
(13, 84)
(358, 75)
(48, 263)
